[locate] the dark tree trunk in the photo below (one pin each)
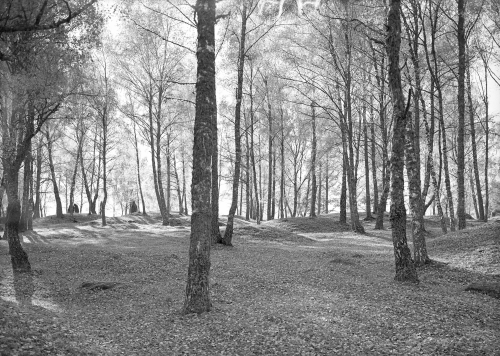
(319, 188)
(71, 206)
(327, 185)
(461, 116)
(197, 289)
(18, 256)
(270, 176)
(405, 268)
(228, 234)
(252, 153)
(282, 167)
(104, 165)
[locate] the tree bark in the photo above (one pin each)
(405, 268)
(343, 189)
(59, 209)
(368, 207)
(197, 289)
(38, 182)
(475, 163)
(313, 162)
(461, 116)
(417, 219)
(228, 234)
(138, 166)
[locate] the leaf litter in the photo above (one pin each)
(276, 292)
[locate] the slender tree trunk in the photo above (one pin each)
(248, 190)
(472, 188)
(313, 162)
(480, 205)
(197, 289)
(228, 234)
(252, 153)
(73, 178)
(405, 268)
(319, 188)
(138, 166)
(327, 185)
(178, 186)
(169, 178)
(367, 170)
(36, 208)
(343, 189)
(104, 164)
(417, 219)
(270, 176)
(282, 167)
(59, 210)
(462, 62)
(216, 235)
(486, 144)
(27, 183)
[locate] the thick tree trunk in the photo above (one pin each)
(405, 268)
(228, 234)
(313, 163)
(197, 289)
(18, 256)
(461, 116)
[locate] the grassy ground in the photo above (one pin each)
(297, 287)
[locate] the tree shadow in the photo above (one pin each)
(24, 288)
(35, 237)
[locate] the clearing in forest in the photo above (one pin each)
(288, 287)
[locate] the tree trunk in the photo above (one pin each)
(367, 170)
(38, 182)
(405, 268)
(252, 153)
(475, 164)
(343, 189)
(178, 186)
(197, 289)
(270, 176)
(319, 188)
(461, 116)
(73, 178)
(327, 187)
(282, 167)
(18, 256)
(228, 234)
(104, 165)
(138, 165)
(27, 185)
(59, 210)
(313, 162)
(417, 219)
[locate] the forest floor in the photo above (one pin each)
(288, 287)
